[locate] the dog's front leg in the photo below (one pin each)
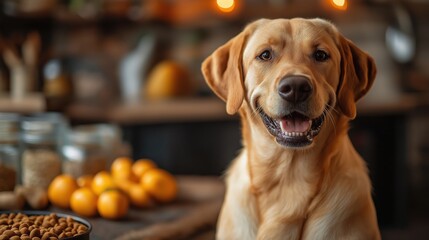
(238, 217)
(234, 223)
(278, 229)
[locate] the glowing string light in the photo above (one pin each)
(339, 4)
(225, 5)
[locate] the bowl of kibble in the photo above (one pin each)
(42, 225)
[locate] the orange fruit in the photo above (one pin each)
(101, 182)
(141, 166)
(84, 181)
(160, 184)
(112, 204)
(61, 189)
(124, 184)
(139, 197)
(83, 201)
(121, 168)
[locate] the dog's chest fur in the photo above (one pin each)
(282, 186)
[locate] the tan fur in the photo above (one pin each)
(321, 191)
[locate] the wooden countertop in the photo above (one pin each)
(192, 216)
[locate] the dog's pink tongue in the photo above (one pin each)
(295, 125)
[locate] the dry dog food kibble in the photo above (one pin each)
(38, 227)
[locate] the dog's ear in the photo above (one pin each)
(223, 71)
(357, 76)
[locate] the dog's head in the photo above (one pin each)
(293, 74)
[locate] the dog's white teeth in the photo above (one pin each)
(294, 134)
(284, 129)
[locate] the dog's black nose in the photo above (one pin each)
(295, 89)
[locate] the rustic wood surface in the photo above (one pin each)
(192, 216)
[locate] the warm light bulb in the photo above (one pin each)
(225, 5)
(339, 4)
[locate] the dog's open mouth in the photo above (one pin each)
(294, 130)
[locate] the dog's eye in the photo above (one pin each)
(265, 55)
(320, 56)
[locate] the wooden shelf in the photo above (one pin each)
(169, 111)
(208, 109)
(31, 103)
(88, 112)
(149, 112)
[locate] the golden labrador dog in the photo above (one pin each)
(295, 83)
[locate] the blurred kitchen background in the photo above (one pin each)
(96, 79)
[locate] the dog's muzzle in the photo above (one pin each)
(295, 129)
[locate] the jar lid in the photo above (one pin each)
(38, 126)
(38, 130)
(44, 128)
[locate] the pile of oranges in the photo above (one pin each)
(140, 184)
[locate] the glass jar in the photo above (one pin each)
(111, 142)
(9, 151)
(84, 154)
(41, 158)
